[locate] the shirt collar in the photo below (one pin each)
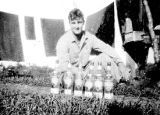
(73, 40)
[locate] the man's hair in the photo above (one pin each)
(75, 14)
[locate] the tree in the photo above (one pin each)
(151, 31)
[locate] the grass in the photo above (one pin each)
(22, 103)
(25, 91)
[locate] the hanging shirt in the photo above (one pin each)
(70, 51)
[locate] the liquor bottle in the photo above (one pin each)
(55, 80)
(98, 84)
(78, 89)
(89, 81)
(108, 83)
(99, 69)
(68, 81)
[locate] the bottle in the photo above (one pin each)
(108, 83)
(78, 80)
(68, 81)
(79, 83)
(98, 84)
(89, 81)
(55, 80)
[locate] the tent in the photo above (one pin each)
(32, 23)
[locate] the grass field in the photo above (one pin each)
(26, 91)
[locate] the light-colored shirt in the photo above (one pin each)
(70, 51)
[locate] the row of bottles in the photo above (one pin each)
(97, 82)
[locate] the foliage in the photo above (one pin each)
(32, 75)
(148, 77)
(152, 71)
(132, 91)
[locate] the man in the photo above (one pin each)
(75, 47)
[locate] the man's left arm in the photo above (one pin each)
(110, 51)
(101, 46)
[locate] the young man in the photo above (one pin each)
(75, 46)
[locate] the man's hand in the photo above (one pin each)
(123, 71)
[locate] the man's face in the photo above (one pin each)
(77, 25)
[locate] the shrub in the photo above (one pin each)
(32, 75)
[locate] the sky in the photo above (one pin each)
(51, 8)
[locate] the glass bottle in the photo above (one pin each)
(68, 80)
(55, 79)
(89, 81)
(108, 83)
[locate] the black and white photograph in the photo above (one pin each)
(79, 57)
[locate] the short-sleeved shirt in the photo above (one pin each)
(70, 51)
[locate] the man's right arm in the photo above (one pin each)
(62, 54)
(63, 57)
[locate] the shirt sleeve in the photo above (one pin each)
(101, 46)
(62, 53)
